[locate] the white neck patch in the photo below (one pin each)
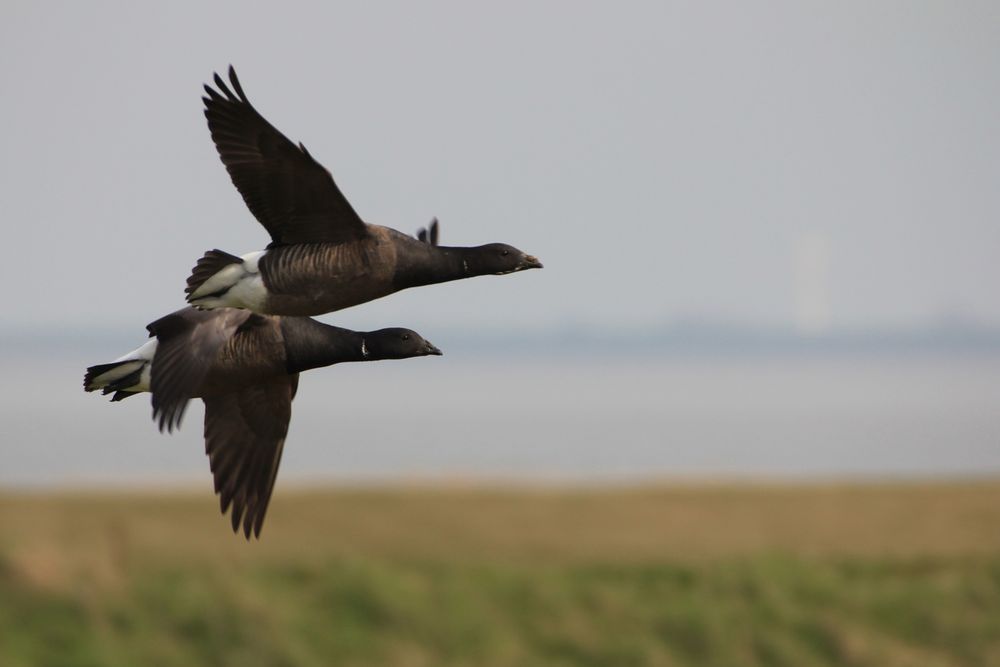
(364, 348)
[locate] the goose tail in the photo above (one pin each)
(211, 264)
(221, 280)
(125, 376)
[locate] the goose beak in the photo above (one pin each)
(430, 349)
(530, 262)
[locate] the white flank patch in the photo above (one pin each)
(250, 260)
(144, 378)
(145, 352)
(220, 281)
(248, 293)
(240, 285)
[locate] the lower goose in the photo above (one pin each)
(245, 367)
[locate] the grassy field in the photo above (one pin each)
(880, 575)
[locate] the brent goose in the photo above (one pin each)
(245, 367)
(322, 256)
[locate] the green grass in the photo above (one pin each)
(828, 575)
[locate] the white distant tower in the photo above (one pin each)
(812, 288)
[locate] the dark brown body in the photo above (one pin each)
(315, 278)
(251, 356)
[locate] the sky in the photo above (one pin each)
(817, 166)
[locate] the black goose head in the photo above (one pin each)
(395, 343)
(499, 259)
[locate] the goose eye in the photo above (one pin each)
(406, 336)
(505, 253)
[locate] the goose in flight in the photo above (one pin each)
(322, 256)
(245, 367)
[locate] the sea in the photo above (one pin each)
(575, 414)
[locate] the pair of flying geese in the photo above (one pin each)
(248, 333)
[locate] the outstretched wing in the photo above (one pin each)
(244, 436)
(291, 194)
(189, 341)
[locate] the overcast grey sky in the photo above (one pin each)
(831, 164)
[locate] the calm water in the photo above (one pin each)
(460, 417)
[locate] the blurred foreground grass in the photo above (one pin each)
(905, 574)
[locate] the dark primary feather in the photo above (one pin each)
(244, 437)
(189, 342)
(292, 195)
(430, 233)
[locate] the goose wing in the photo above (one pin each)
(429, 234)
(244, 436)
(189, 341)
(289, 192)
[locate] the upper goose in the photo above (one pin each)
(245, 367)
(322, 256)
